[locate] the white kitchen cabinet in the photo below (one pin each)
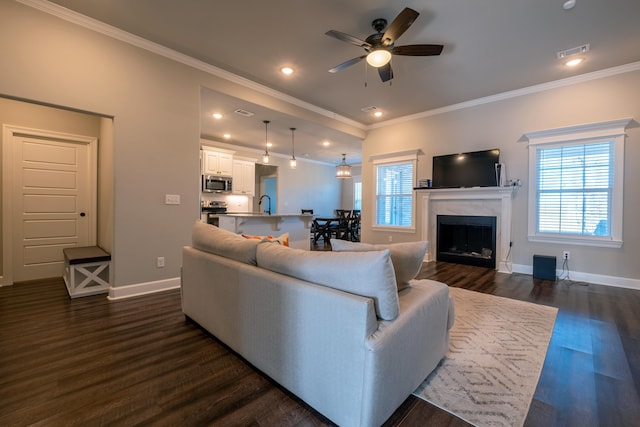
(244, 176)
(217, 163)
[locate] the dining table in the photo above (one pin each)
(327, 228)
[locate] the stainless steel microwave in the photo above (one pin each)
(216, 184)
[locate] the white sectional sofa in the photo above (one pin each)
(331, 327)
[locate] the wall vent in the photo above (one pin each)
(575, 50)
(369, 109)
(243, 112)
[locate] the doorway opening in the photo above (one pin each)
(50, 178)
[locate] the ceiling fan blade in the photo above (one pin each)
(347, 64)
(418, 50)
(347, 38)
(399, 25)
(386, 73)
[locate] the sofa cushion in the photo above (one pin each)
(210, 238)
(367, 274)
(283, 239)
(407, 257)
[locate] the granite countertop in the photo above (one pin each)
(259, 214)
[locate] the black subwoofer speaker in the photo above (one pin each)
(544, 267)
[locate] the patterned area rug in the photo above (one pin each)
(495, 357)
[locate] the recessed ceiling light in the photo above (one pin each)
(378, 114)
(227, 136)
(573, 62)
(326, 143)
(287, 71)
(269, 144)
(569, 4)
(217, 116)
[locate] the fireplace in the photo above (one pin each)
(484, 201)
(465, 239)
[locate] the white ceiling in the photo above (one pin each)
(490, 47)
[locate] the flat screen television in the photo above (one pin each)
(475, 169)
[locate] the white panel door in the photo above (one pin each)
(52, 204)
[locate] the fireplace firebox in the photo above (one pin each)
(465, 239)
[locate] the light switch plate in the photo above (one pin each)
(172, 199)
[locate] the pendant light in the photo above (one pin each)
(292, 162)
(265, 156)
(343, 170)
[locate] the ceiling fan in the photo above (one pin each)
(380, 46)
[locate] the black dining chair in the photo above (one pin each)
(354, 228)
(323, 229)
(341, 226)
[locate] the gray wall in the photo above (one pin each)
(500, 125)
(154, 102)
(155, 105)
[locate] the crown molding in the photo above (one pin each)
(118, 34)
(569, 81)
(126, 37)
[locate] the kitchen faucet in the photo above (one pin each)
(268, 199)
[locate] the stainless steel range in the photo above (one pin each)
(212, 209)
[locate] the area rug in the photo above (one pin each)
(495, 357)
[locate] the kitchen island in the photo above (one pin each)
(258, 224)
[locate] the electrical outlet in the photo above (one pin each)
(160, 262)
(566, 255)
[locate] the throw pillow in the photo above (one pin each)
(407, 257)
(210, 238)
(368, 274)
(283, 239)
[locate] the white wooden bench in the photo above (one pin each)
(87, 271)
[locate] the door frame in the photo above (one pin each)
(9, 133)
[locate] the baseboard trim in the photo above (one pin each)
(128, 291)
(577, 276)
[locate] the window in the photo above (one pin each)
(394, 179)
(357, 193)
(575, 184)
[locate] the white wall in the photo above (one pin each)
(500, 125)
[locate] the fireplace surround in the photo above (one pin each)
(482, 201)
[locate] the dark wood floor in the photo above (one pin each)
(89, 361)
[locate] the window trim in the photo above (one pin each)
(403, 157)
(582, 134)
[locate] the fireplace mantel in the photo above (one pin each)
(483, 201)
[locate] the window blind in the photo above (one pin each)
(574, 189)
(394, 194)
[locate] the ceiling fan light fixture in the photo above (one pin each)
(343, 170)
(379, 57)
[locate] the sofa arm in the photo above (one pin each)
(402, 352)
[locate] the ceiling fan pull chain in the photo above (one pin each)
(365, 74)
